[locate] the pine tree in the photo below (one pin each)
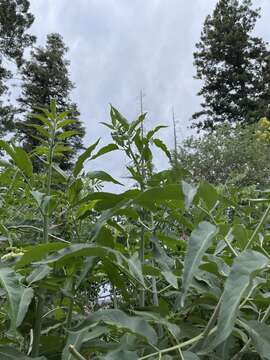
(232, 65)
(15, 20)
(46, 76)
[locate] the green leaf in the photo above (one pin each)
(82, 158)
(117, 117)
(115, 317)
(38, 274)
(23, 162)
(42, 118)
(37, 252)
(260, 335)
(152, 132)
(78, 338)
(121, 354)
(160, 144)
(66, 122)
(188, 355)
(198, 243)
(104, 150)
(67, 134)
(189, 192)
(19, 297)
(244, 267)
(208, 194)
(9, 353)
(157, 194)
(25, 301)
(103, 176)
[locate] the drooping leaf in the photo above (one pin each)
(115, 317)
(160, 144)
(37, 252)
(104, 150)
(103, 176)
(198, 243)
(82, 158)
(38, 274)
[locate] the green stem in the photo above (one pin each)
(75, 353)
(40, 298)
(258, 227)
(37, 325)
(176, 347)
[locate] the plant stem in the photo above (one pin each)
(75, 353)
(258, 227)
(37, 325)
(40, 297)
(176, 347)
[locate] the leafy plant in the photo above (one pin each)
(164, 270)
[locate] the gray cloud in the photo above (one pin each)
(118, 47)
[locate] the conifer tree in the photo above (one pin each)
(15, 20)
(45, 76)
(232, 64)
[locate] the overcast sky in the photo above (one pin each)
(117, 47)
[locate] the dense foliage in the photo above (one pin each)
(163, 270)
(227, 156)
(233, 65)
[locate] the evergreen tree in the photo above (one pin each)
(46, 76)
(233, 66)
(15, 19)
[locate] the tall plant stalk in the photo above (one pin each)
(40, 293)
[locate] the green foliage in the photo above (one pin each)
(164, 270)
(46, 76)
(233, 66)
(231, 156)
(15, 20)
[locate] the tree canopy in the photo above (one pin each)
(233, 66)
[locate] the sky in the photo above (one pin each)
(118, 48)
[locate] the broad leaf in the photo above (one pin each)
(115, 317)
(260, 335)
(244, 267)
(103, 176)
(18, 296)
(198, 243)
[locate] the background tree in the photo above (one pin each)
(232, 156)
(15, 19)
(46, 76)
(233, 66)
